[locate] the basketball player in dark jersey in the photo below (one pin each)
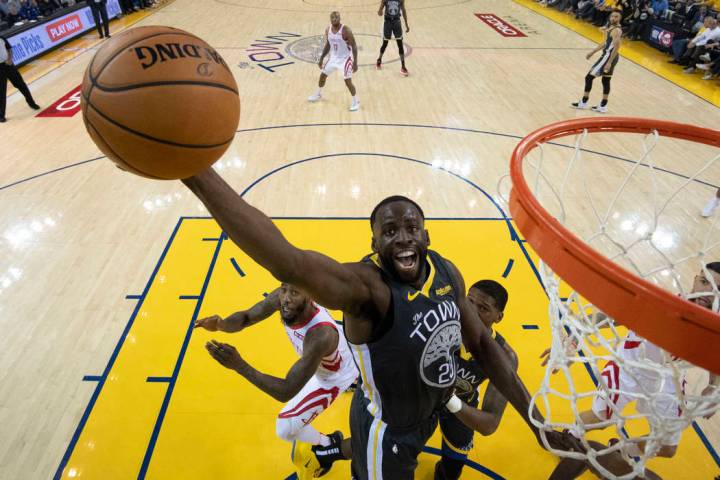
(605, 65)
(394, 9)
(489, 299)
(404, 309)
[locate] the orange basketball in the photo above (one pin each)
(160, 102)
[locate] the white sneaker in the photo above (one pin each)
(710, 207)
(355, 107)
(703, 66)
(599, 109)
(708, 76)
(705, 56)
(579, 105)
(314, 98)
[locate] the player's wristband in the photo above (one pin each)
(454, 404)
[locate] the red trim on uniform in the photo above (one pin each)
(320, 324)
(310, 317)
(348, 65)
(323, 402)
(333, 366)
(301, 406)
(630, 344)
(611, 372)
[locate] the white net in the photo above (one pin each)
(636, 199)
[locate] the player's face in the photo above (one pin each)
(614, 18)
(485, 307)
(401, 241)
(292, 303)
(335, 19)
(703, 284)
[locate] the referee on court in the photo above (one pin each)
(8, 71)
(394, 9)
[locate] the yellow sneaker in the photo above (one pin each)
(305, 461)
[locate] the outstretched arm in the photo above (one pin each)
(242, 319)
(317, 344)
(382, 7)
(332, 284)
(493, 360)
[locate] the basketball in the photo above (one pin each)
(160, 102)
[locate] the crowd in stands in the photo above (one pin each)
(13, 12)
(696, 33)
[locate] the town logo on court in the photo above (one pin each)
(309, 49)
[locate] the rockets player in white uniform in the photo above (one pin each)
(325, 368)
(626, 383)
(340, 44)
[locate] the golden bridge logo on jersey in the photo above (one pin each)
(443, 290)
(309, 49)
(162, 52)
(440, 330)
(500, 25)
(266, 54)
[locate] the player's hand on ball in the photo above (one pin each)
(208, 323)
(225, 354)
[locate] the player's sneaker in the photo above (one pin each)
(326, 456)
(314, 98)
(355, 106)
(404, 72)
(378, 64)
(579, 105)
(599, 109)
(306, 463)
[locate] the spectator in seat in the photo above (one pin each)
(47, 7)
(13, 13)
(712, 67)
(642, 12)
(658, 8)
(695, 13)
(697, 46)
(29, 10)
(680, 45)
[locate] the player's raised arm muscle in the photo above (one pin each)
(332, 284)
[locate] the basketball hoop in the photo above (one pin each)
(613, 256)
(657, 314)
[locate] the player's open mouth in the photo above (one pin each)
(406, 260)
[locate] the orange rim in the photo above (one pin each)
(677, 325)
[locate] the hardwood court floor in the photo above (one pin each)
(100, 376)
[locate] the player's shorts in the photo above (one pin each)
(457, 438)
(381, 452)
(666, 405)
(598, 68)
(315, 397)
(345, 65)
(392, 27)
